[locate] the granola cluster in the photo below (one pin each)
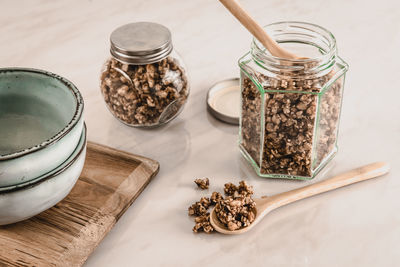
(138, 94)
(200, 207)
(290, 116)
(215, 198)
(202, 183)
(202, 220)
(235, 211)
(203, 224)
(236, 191)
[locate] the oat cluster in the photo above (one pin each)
(200, 211)
(215, 197)
(151, 88)
(202, 223)
(290, 121)
(200, 207)
(235, 211)
(202, 183)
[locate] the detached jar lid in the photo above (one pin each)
(223, 100)
(141, 43)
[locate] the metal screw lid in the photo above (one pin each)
(140, 43)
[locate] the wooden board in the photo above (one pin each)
(66, 234)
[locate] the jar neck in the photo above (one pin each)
(316, 44)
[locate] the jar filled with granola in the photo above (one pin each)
(290, 109)
(144, 82)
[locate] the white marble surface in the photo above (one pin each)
(354, 226)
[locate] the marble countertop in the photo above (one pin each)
(355, 226)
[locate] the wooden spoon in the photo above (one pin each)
(257, 31)
(267, 204)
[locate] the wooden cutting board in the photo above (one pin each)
(66, 234)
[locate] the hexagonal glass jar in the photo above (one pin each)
(290, 109)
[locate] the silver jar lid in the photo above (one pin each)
(141, 43)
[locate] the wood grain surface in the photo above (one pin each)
(66, 234)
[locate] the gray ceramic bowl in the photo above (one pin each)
(40, 123)
(21, 202)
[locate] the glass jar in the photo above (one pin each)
(290, 108)
(144, 82)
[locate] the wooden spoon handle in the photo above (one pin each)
(354, 176)
(256, 30)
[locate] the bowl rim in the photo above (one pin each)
(60, 169)
(71, 124)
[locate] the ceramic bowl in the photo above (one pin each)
(41, 122)
(21, 202)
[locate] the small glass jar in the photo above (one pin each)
(290, 108)
(144, 82)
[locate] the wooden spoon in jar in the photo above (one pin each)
(266, 204)
(257, 31)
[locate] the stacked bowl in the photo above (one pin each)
(42, 141)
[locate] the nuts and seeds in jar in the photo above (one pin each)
(291, 108)
(144, 82)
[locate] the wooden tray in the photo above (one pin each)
(66, 234)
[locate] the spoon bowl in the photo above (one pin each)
(221, 228)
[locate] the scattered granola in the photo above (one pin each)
(242, 190)
(203, 224)
(215, 197)
(200, 207)
(235, 211)
(202, 183)
(202, 220)
(138, 94)
(205, 201)
(230, 189)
